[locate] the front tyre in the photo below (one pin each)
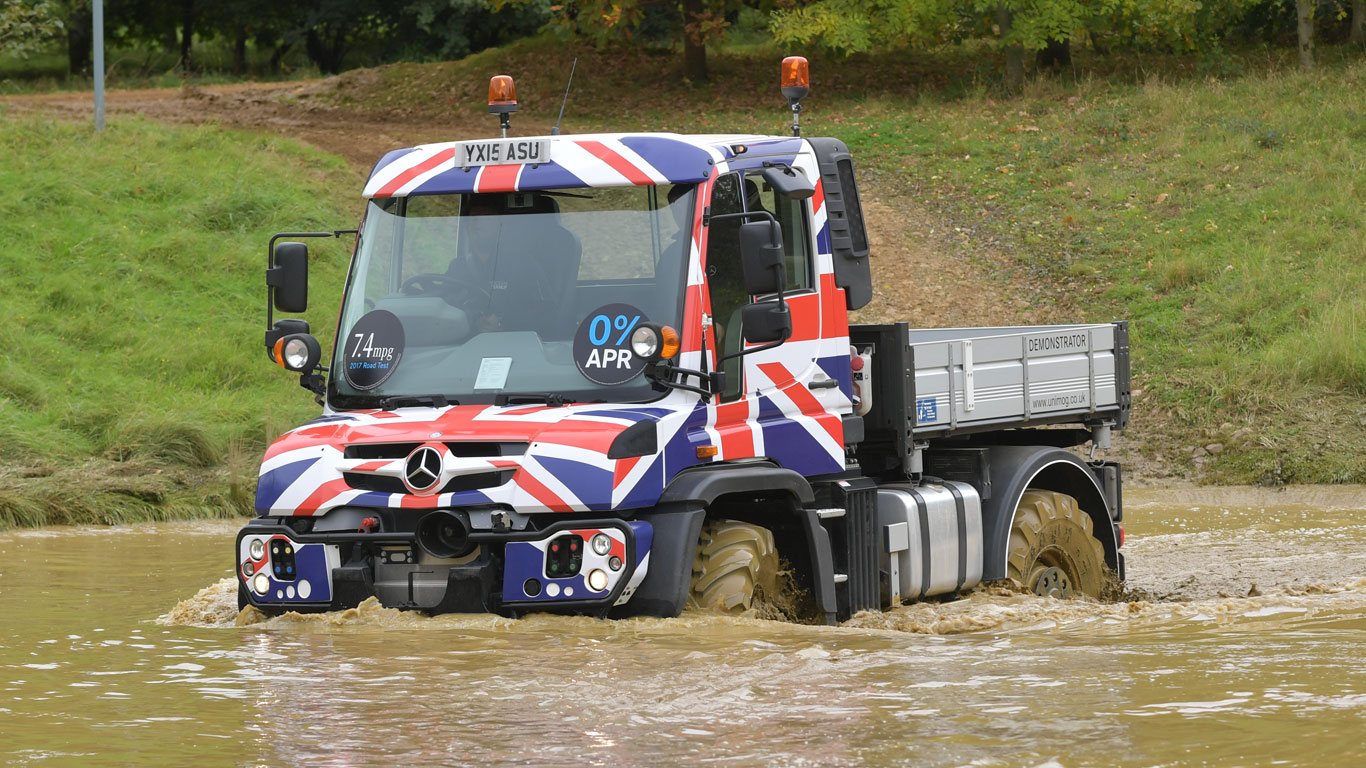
(735, 562)
(1053, 551)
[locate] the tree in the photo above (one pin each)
(1305, 29)
(453, 29)
(26, 26)
(1017, 26)
(1359, 22)
(693, 23)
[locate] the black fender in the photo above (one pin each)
(705, 484)
(664, 590)
(701, 486)
(1014, 469)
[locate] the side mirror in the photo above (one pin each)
(789, 182)
(761, 257)
(288, 276)
(766, 322)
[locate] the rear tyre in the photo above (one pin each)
(1053, 551)
(735, 563)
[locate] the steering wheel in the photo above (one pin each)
(437, 283)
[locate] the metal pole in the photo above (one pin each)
(99, 63)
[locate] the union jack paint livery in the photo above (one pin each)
(592, 503)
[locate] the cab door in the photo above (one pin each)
(780, 403)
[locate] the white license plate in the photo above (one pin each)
(502, 152)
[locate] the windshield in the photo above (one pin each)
(472, 296)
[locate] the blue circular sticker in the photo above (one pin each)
(602, 345)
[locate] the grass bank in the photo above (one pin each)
(132, 382)
(1218, 204)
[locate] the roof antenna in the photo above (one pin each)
(556, 130)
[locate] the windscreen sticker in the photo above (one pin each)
(374, 347)
(493, 373)
(602, 345)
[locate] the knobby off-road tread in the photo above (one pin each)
(1046, 524)
(735, 561)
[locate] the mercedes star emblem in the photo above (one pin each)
(422, 470)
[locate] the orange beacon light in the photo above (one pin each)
(796, 83)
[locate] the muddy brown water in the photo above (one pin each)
(118, 646)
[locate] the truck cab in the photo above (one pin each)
(613, 374)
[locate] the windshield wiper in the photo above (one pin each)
(513, 398)
(400, 401)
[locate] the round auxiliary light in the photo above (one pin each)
(645, 341)
(257, 548)
(261, 583)
(597, 580)
(296, 353)
(602, 544)
(248, 568)
(614, 563)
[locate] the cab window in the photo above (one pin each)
(734, 193)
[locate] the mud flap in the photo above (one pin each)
(664, 592)
(351, 584)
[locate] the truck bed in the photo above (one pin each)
(935, 383)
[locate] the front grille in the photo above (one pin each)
(384, 484)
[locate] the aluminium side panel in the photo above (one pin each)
(1007, 377)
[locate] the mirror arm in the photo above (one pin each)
(272, 281)
(655, 369)
(315, 383)
(708, 217)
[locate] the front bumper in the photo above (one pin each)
(510, 572)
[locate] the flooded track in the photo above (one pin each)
(1242, 643)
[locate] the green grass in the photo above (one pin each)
(140, 67)
(1224, 218)
(132, 378)
(1218, 204)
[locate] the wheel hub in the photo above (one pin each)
(1053, 582)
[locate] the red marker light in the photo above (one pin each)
(856, 363)
(1121, 535)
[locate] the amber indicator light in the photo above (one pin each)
(668, 343)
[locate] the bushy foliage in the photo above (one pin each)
(846, 25)
(25, 27)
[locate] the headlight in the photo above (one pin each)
(651, 342)
(602, 544)
(261, 583)
(296, 353)
(645, 342)
(257, 549)
(597, 580)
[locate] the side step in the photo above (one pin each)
(848, 577)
